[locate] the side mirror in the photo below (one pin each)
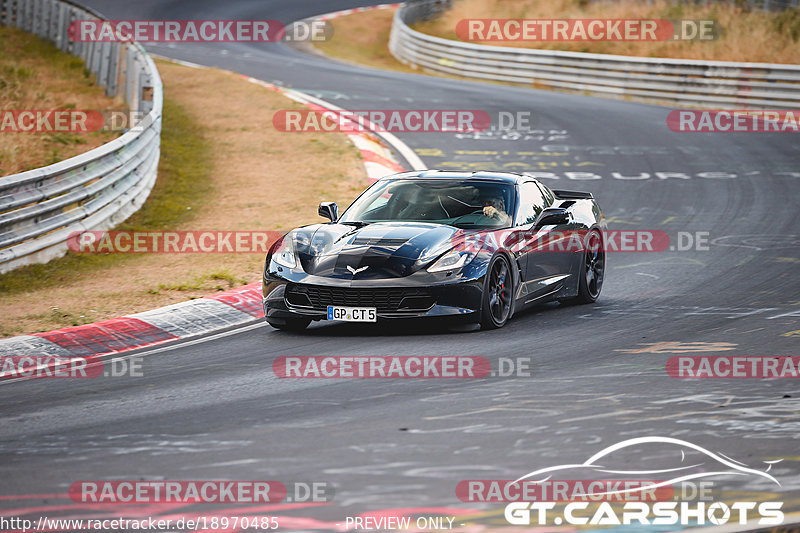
(553, 216)
(329, 210)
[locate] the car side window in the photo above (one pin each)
(531, 203)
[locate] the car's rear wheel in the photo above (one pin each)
(498, 294)
(289, 324)
(592, 270)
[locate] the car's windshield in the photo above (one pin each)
(455, 202)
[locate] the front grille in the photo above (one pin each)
(394, 299)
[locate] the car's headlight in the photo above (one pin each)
(285, 255)
(451, 260)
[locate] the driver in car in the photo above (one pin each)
(494, 207)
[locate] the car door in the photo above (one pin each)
(543, 256)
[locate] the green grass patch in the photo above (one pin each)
(16, 44)
(204, 282)
(34, 74)
(366, 41)
(183, 185)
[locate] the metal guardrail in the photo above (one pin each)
(40, 208)
(719, 84)
(764, 5)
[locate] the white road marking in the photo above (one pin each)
(172, 346)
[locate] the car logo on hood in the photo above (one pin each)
(356, 270)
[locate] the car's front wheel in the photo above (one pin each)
(289, 324)
(498, 294)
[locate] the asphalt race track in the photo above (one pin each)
(215, 409)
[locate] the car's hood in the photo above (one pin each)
(377, 251)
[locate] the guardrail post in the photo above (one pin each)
(125, 68)
(44, 15)
(33, 13)
(133, 80)
(112, 75)
(75, 47)
(38, 13)
(146, 92)
(62, 26)
(94, 56)
(47, 19)
(97, 57)
(5, 14)
(104, 60)
(52, 21)
(36, 21)
(87, 51)
(24, 21)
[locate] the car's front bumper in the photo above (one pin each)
(454, 295)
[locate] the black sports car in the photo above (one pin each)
(477, 245)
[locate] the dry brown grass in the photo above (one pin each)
(260, 179)
(36, 75)
(747, 35)
(363, 38)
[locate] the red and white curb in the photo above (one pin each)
(178, 321)
(202, 316)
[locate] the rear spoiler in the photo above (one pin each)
(573, 195)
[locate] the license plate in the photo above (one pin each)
(352, 314)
